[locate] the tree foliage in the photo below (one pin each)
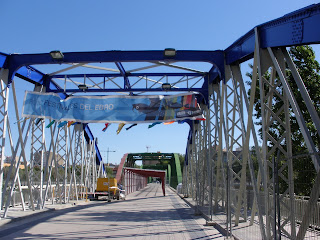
(309, 70)
(181, 159)
(109, 172)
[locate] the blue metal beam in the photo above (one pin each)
(123, 73)
(215, 75)
(3, 58)
(117, 56)
(91, 137)
(128, 75)
(97, 90)
(297, 28)
(31, 73)
(242, 49)
(16, 61)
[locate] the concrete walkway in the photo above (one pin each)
(145, 214)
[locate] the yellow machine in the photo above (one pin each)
(103, 185)
(107, 189)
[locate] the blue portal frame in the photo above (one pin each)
(296, 28)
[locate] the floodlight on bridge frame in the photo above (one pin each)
(169, 52)
(83, 87)
(56, 55)
(166, 86)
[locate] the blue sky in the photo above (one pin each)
(41, 26)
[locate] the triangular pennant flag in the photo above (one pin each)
(38, 120)
(153, 124)
(167, 123)
(62, 124)
(120, 127)
(70, 123)
(201, 119)
(106, 126)
(131, 126)
(50, 124)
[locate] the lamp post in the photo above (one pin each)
(108, 156)
(148, 148)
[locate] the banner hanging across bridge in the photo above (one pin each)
(124, 109)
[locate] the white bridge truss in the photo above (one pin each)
(220, 168)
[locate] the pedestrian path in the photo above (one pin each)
(145, 214)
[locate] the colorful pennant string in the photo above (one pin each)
(106, 126)
(201, 119)
(38, 120)
(50, 124)
(120, 127)
(62, 124)
(131, 126)
(153, 124)
(70, 123)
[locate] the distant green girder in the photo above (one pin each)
(173, 168)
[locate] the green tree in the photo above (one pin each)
(309, 70)
(109, 172)
(181, 159)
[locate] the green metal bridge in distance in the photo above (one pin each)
(159, 161)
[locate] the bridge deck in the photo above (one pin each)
(145, 214)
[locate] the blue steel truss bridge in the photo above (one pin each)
(228, 181)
